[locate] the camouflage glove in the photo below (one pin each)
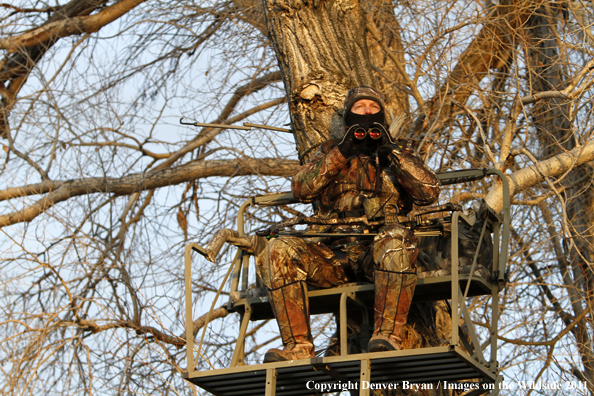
(386, 138)
(389, 154)
(349, 146)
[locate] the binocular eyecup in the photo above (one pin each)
(374, 133)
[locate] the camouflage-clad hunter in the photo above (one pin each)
(365, 173)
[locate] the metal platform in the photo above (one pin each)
(427, 289)
(356, 373)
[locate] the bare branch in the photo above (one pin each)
(58, 191)
(70, 26)
(27, 10)
(531, 175)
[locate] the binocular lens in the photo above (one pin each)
(360, 133)
(375, 133)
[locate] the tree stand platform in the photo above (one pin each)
(461, 364)
(360, 374)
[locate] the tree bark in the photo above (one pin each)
(388, 78)
(322, 52)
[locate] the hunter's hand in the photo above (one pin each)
(388, 155)
(349, 146)
(386, 139)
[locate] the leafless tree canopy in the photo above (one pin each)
(101, 187)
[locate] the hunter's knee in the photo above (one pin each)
(278, 263)
(395, 249)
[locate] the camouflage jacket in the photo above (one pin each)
(350, 187)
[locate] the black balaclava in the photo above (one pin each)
(364, 120)
(359, 93)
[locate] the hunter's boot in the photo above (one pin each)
(393, 297)
(291, 310)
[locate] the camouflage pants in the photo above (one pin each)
(389, 262)
(288, 260)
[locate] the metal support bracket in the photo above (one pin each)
(270, 382)
(364, 376)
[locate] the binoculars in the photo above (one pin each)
(374, 133)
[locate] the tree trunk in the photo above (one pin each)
(557, 134)
(387, 77)
(322, 53)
